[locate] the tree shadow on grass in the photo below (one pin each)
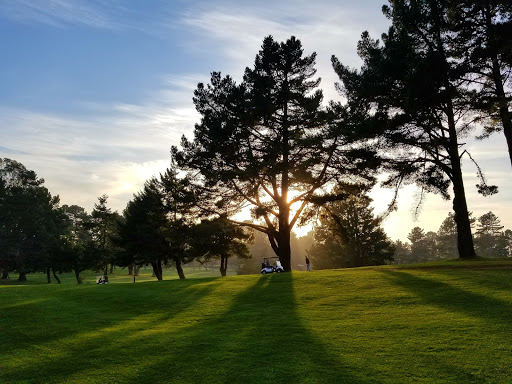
(499, 280)
(452, 298)
(73, 330)
(258, 339)
(477, 346)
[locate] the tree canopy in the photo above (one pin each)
(413, 105)
(267, 143)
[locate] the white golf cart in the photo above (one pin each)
(102, 279)
(267, 267)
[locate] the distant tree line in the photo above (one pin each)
(158, 227)
(492, 240)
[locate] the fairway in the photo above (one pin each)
(437, 323)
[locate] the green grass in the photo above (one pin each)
(119, 275)
(439, 323)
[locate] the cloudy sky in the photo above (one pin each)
(93, 93)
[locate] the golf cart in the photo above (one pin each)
(102, 279)
(276, 266)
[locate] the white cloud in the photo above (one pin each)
(113, 149)
(57, 13)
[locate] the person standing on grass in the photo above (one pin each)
(307, 264)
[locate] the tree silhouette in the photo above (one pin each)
(266, 143)
(482, 43)
(411, 101)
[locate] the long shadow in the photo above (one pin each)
(452, 298)
(495, 279)
(491, 333)
(74, 329)
(260, 338)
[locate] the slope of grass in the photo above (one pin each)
(119, 275)
(438, 323)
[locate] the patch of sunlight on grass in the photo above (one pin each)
(23, 303)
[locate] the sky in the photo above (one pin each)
(93, 93)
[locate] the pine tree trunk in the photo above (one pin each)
(55, 275)
(284, 250)
(22, 276)
(179, 268)
(77, 276)
(20, 266)
(48, 277)
(223, 265)
(157, 269)
(460, 207)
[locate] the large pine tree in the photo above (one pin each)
(266, 143)
(415, 105)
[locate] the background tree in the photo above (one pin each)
(78, 244)
(180, 202)
(141, 235)
(266, 143)
(490, 239)
(423, 245)
(103, 227)
(402, 253)
(482, 42)
(409, 97)
(219, 239)
(29, 228)
(350, 236)
(447, 238)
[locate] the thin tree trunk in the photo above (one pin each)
(223, 265)
(48, 277)
(105, 270)
(20, 266)
(55, 275)
(179, 268)
(136, 269)
(130, 269)
(77, 276)
(111, 268)
(22, 276)
(157, 269)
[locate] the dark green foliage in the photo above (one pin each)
(78, 246)
(423, 245)
(219, 239)
(157, 226)
(482, 43)
(410, 100)
(402, 253)
(103, 228)
(350, 236)
(31, 223)
(267, 143)
(490, 239)
(141, 234)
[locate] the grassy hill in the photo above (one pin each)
(435, 323)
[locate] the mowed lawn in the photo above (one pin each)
(438, 323)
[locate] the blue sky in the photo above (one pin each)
(94, 93)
